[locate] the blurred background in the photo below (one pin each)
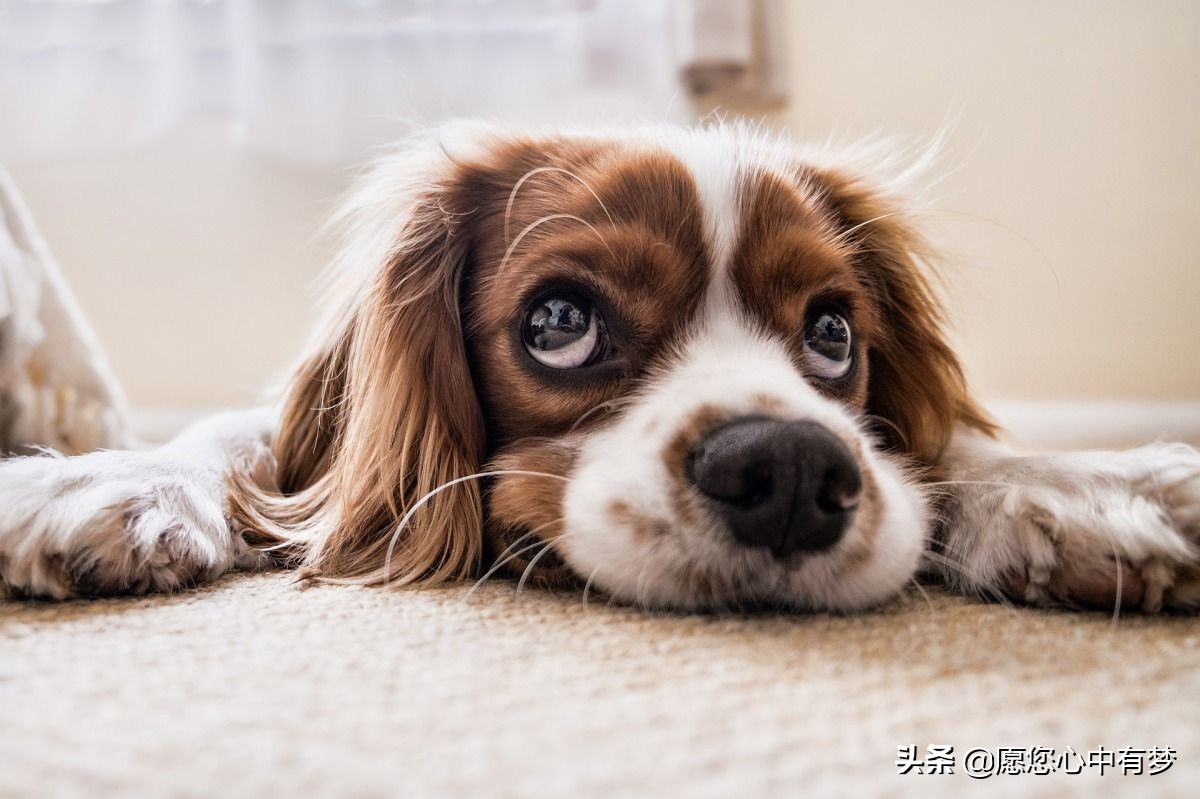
(181, 155)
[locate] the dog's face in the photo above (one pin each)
(684, 335)
(694, 365)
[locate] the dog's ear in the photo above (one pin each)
(383, 416)
(915, 380)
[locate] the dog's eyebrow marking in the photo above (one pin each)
(550, 218)
(512, 196)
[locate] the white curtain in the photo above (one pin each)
(321, 80)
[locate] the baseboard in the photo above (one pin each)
(1094, 424)
(1040, 424)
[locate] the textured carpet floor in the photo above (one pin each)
(253, 687)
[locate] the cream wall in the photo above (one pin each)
(192, 258)
(1071, 206)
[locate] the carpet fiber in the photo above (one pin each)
(255, 687)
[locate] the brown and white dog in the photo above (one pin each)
(688, 368)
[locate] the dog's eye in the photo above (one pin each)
(564, 331)
(827, 344)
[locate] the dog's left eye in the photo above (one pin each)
(564, 331)
(827, 344)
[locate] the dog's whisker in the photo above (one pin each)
(1033, 245)
(1120, 575)
(845, 236)
(921, 590)
(608, 405)
(969, 579)
(587, 586)
(416, 506)
(500, 564)
(1002, 483)
(512, 196)
(501, 559)
(874, 417)
(533, 562)
(639, 590)
(549, 218)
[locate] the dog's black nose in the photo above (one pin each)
(787, 486)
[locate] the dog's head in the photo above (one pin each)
(696, 367)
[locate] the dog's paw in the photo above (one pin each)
(1091, 529)
(110, 523)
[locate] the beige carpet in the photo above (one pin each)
(253, 687)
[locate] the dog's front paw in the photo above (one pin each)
(1091, 529)
(109, 523)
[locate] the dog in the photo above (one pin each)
(687, 368)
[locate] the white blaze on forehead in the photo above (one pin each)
(716, 169)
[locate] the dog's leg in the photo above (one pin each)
(1082, 528)
(114, 522)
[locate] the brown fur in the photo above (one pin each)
(520, 504)
(422, 380)
(379, 418)
(916, 382)
(641, 248)
(789, 256)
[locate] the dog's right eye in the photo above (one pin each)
(564, 331)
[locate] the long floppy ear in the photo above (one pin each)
(915, 382)
(383, 414)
